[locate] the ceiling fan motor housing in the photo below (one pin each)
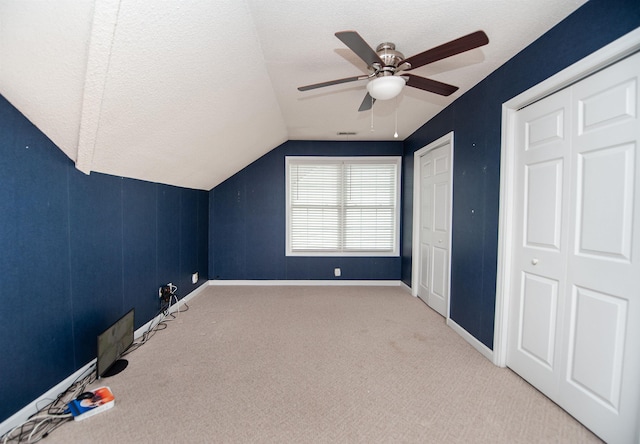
(390, 57)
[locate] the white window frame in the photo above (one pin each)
(397, 160)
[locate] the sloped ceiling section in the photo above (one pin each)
(189, 92)
(43, 59)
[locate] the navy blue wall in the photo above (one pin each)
(248, 221)
(476, 120)
(77, 253)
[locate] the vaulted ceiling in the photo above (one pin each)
(189, 92)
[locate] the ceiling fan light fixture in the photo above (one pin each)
(386, 87)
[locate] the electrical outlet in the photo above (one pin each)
(165, 292)
(194, 278)
(337, 272)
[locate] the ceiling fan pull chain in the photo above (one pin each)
(395, 135)
(371, 114)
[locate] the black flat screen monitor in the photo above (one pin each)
(112, 343)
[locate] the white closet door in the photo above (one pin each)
(435, 208)
(541, 231)
(575, 324)
(602, 374)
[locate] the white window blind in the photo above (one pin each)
(343, 206)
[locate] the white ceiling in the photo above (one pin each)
(189, 92)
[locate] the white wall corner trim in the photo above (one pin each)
(406, 288)
(479, 346)
(608, 55)
(105, 18)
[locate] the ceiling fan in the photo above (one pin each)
(387, 66)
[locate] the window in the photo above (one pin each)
(343, 206)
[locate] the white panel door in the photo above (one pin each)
(435, 210)
(575, 324)
(541, 233)
(601, 381)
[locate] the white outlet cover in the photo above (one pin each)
(194, 278)
(337, 272)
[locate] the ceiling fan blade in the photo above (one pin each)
(433, 86)
(332, 82)
(367, 103)
(362, 49)
(466, 43)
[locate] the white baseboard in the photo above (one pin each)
(23, 414)
(483, 349)
(307, 282)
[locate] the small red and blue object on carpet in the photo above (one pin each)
(91, 403)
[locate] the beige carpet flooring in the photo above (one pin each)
(317, 365)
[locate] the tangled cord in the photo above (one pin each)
(51, 416)
(48, 418)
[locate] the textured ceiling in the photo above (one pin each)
(189, 92)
